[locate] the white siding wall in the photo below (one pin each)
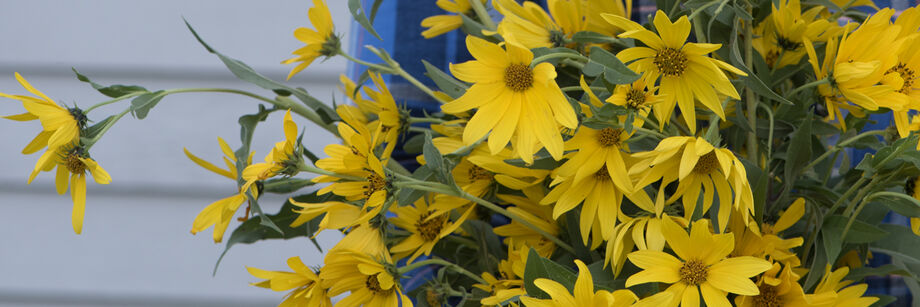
(136, 248)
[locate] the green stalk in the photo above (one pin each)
(444, 263)
(114, 100)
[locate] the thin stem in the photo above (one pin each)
(840, 146)
(483, 15)
(379, 67)
(808, 86)
(424, 88)
(842, 10)
(303, 167)
(769, 135)
(114, 100)
(413, 120)
(418, 129)
(578, 88)
(444, 263)
(571, 62)
(564, 55)
(657, 134)
(750, 97)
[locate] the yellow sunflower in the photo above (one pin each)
(304, 282)
(72, 161)
(643, 233)
(686, 73)
(781, 34)
(220, 213)
(856, 69)
(779, 287)
(368, 278)
(425, 230)
(319, 42)
(60, 126)
(510, 280)
(513, 99)
(638, 97)
(584, 294)
(697, 166)
(842, 292)
(533, 27)
(282, 160)
(529, 209)
(704, 271)
(440, 24)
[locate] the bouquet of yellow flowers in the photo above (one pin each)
(580, 158)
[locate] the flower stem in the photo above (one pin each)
(114, 100)
(807, 86)
(413, 120)
(444, 263)
(564, 55)
(105, 129)
(382, 68)
(483, 15)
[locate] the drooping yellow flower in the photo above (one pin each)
(374, 188)
(687, 74)
(319, 42)
(842, 292)
(425, 230)
(638, 97)
(533, 27)
(72, 161)
(781, 35)
(338, 215)
(60, 126)
(698, 167)
(643, 233)
(529, 209)
(779, 287)
(513, 99)
(440, 24)
(304, 282)
(594, 10)
(704, 271)
(220, 213)
(510, 280)
(365, 276)
(584, 294)
(597, 174)
(857, 68)
(391, 121)
(282, 160)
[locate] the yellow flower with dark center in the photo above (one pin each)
(304, 282)
(704, 271)
(513, 99)
(643, 233)
(697, 166)
(529, 209)
(282, 160)
(781, 35)
(426, 229)
(319, 42)
(510, 280)
(857, 68)
(584, 294)
(686, 73)
(638, 97)
(779, 287)
(440, 24)
(533, 27)
(373, 189)
(60, 126)
(842, 292)
(72, 161)
(907, 70)
(369, 279)
(220, 213)
(390, 122)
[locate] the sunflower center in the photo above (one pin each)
(771, 57)
(78, 116)
(768, 297)
(609, 137)
(374, 285)
(430, 229)
(432, 297)
(907, 74)
(788, 44)
(374, 183)
(602, 174)
(670, 62)
(73, 163)
(706, 164)
(331, 46)
(635, 98)
(694, 272)
(767, 229)
(518, 77)
(478, 173)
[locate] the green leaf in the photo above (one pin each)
(374, 8)
(615, 72)
(901, 243)
(542, 51)
(285, 185)
(113, 91)
(539, 267)
(408, 196)
(142, 104)
(434, 159)
(450, 86)
(832, 242)
(246, 73)
(799, 150)
(490, 246)
(91, 131)
(588, 37)
(817, 265)
(357, 12)
(858, 274)
(860, 232)
(253, 230)
(903, 204)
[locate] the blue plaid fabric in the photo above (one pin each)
(398, 23)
